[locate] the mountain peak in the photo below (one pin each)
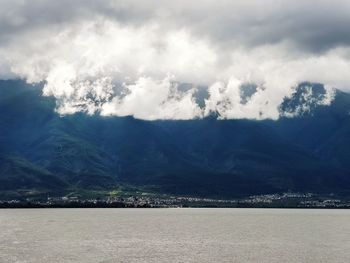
(306, 98)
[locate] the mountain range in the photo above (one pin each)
(43, 151)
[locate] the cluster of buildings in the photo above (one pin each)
(295, 200)
(332, 203)
(270, 198)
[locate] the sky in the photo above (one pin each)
(132, 57)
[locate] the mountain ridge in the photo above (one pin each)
(204, 157)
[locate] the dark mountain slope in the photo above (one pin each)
(17, 173)
(325, 131)
(205, 157)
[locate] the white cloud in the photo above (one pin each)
(116, 58)
(151, 100)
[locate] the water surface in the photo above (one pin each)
(174, 235)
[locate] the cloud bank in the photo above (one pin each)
(130, 57)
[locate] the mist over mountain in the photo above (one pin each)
(306, 149)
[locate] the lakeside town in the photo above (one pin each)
(284, 200)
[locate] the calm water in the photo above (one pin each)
(174, 235)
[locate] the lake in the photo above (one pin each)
(174, 235)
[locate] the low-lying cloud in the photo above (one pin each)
(129, 57)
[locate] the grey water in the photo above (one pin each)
(174, 235)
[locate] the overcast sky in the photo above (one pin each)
(83, 49)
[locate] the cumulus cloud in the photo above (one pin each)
(128, 57)
(149, 99)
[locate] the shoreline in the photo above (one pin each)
(126, 206)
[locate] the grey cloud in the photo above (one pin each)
(311, 26)
(81, 48)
